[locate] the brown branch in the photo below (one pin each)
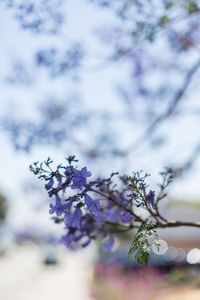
(177, 224)
(108, 197)
(161, 222)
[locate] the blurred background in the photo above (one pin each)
(115, 83)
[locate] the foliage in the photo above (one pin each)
(146, 235)
(151, 37)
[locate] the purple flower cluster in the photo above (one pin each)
(79, 180)
(83, 216)
(138, 187)
(87, 207)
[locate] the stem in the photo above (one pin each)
(177, 224)
(119, 204)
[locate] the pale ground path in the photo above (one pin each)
(23, 277)
(180, 293)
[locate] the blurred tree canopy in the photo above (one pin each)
(157, 47)
(156, 43)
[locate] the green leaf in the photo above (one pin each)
(146, 236)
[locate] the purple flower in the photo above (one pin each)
(113, 215)
(150, 197)
(59, 178)
(67, 239)
(80, 178)
(100, 219)
(107, 246)
(71, 238)
(74, 219)
(123, 201)
(86, 243)
(126, 217)
(59, 208)
(51, 192)
(92, 205)
(74, 236)
(68, 171)
(49, 185)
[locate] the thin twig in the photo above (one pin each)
(169, 111)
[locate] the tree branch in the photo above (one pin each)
(177, 224)
(167, 113)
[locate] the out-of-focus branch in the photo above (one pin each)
(167, 113)
(189, 162)
(192, 158)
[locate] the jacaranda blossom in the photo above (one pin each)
(92, 205)
(107, 246)
(80, 178)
